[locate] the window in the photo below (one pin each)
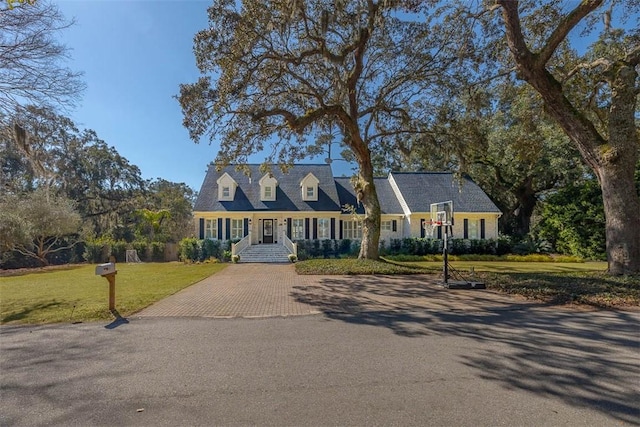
(309, 188)
(226, 187)
(297, 229)
(237, 228)
(324, 228)
(352, 229)
(268, 186)
(385, 226)
(474, 229)
(211, 229)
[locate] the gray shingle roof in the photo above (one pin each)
(388, 201)
(288, 192)
(420, 189)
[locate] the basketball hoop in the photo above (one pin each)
(430, 227)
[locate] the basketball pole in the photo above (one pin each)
(445, 256)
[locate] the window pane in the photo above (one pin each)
(211, 229)
(310, 192)
(324, 228)
(237, 229)
(225, 192)
(267, 192)
(297, 229)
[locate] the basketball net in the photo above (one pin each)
(430, 227)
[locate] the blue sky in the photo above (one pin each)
(134, 55)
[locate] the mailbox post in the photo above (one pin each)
(108, 271)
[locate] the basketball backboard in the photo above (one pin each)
(442, 213)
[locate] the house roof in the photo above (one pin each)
(388, 201)
(421, 189)
(288, 192)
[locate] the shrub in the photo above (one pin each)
(210, 249)
(326, 248)
(142, 249)
(93, 250)
(118, 250)
(235, 259)
(292, 258)
(157, 251)
(189, 249)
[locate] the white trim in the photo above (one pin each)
(309, 181)
(225, 181)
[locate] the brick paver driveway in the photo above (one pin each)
(269, 290)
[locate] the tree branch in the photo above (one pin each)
(562, 30)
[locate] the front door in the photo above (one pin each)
(267, 231)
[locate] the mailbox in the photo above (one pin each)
(104, 269)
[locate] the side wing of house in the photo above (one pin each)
(475, 215)
(391, 218)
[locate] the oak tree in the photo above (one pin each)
(276, 72)
(593, 98)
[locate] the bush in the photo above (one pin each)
(235, 259)
(93, 251)
(142, 249)
(211, 249)
(118, 250)
(326, 248)
(157, 251)
(292, 258)
(190, 249)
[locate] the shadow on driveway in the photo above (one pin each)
(583, 358)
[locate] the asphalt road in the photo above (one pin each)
(531, 366)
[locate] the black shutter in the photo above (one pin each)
(466, 229)
(333, 228)
(394, 225)
(340, 231)
(440, 232)
(227, 223)
(422, 228)
(246, 227)
(482, 228)
(306, 228)
(289, 228)
(201, 228)
(219, 228)
(315, 228)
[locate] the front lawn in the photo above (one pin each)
(356, 266)
(75, 293)
(552, 282)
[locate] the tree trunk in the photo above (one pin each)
(366, 192)
(527, 201)
(612, 160)
(622, 213)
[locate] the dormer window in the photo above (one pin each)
(268, 186)
(226, 188)
(309, 186)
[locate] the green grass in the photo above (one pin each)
(355, 266)
(587, 288)
(513, 266)
(74, 293)
(583, 283)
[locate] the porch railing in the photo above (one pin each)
(243, 244)
(292, 247)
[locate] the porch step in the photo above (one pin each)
(269, 253)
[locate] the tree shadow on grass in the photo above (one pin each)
(583, 358)
(20, 315)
